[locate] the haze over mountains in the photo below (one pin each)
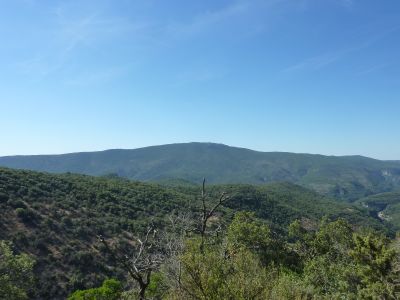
(347, 177)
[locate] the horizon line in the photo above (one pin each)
(194, 142)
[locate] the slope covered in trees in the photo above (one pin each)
(385, 206)
(347, 177)
(57, 219)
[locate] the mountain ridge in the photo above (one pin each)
(202, 143)
(347, 177)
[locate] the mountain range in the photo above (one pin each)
(343, 177)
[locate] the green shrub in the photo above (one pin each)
(16, 277)
(110, 290)
(16, 203)
(25, 214)
(3, 197)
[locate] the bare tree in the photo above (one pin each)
(148, 256)
(165, 247)
(185, 275)
(181, 225)
(208, 213)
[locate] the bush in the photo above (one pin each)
(3, 197)
(110, 290)
(16, 273)
(16, 203)
(25, 214)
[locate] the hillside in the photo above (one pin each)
(385, 206)
(348, 177)
(57, 218)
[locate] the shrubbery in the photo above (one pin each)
(16, 276)
(110, 290)
(58, 218)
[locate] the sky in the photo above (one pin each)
(307, 76)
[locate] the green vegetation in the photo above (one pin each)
(332, 262)
(16, 276)
(385, 206)
(282, 203)
(57, 220)
(110, 290)
(347, 177)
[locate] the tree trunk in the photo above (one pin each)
(143, 284)
(142, 291)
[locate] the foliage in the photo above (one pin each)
(57, 218)
(214, 275)
(337, 263)
(157, 286)
(246, 231)
(16, 276)
(111, 289)
(375, 260)
(283, 203)
(340, 263)
(290, 286)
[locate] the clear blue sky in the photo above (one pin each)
(316, 76)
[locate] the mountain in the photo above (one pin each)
(57, 218)
(346, 177)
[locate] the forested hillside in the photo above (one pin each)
(385, 206)
(347, 177)
(57, 219)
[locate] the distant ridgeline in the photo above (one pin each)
(57, 218)
(346, 177)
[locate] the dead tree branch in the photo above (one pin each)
(147, 258)
(207, 214)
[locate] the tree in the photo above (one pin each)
(211, 274)
(246, 231)
(342, 264)
(208, 213)
(16, 276)
(147, 257)
(328, 268)
(376, 267)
